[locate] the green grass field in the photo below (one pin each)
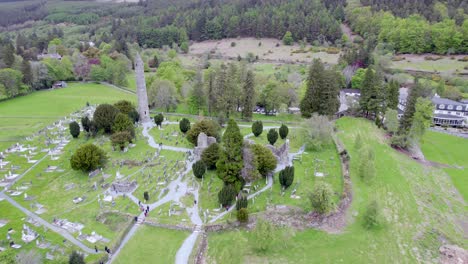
(450, 150)
(23, 116)
(152, 245)
(442, 65)
(416, 210)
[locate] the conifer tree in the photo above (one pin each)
(311, 101)
(393, 92)
(248, 96)
(8, 54)
(407, 120)
(27, 73)
(230, 161)
(210, 90)
(197, 96)
(367, 90)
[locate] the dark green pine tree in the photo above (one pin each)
(248, 96)
(210, 90)
(407, 120)
(8, 54)
(367, 90)
(393, 92)
(220, 89)
(377, 96)
(231, 91)
(230, 161)
(197, 96)
(27, 73)
(330, 101)
(315, 81)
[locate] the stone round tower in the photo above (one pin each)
(142, 95)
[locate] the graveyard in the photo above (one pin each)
(72, 210)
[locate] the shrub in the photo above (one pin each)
(226, 195)
(371, 215)
(257, 128)
(210, 156)
(233, 44)
(120, 139)
(398, 58)
(283, 131)
(264, 159)
(241, 202)
(74, 129)
(199, 169)
(264, 236)
(322, 197)
(333, 50)
(288, 38)
(358, 142)
(184, 125)
(209, 127)
(243, 215)
(318, 132)
(465, 58)
(104, 117)
(85, 123)
(146, 196)
(272, 136)
(134, 116)
(158, 119)
(286, 176)
(76, 258)
(88, 157)
(124, 106)
(123, 123)
(366, 166)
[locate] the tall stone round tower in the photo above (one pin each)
(142, 95)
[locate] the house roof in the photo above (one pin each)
(445, 101)
(451, 117)
(351, 91)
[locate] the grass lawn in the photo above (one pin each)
(416, 205)
(22, 116)
(170, 135)
(450, 150)
(442, 65)
(152, 245)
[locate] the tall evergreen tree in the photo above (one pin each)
(330, 93)
(8, 54)
(311, 101)
(367, 90)
(407, 120)
(393, 92)
(231, 92)
(248, 96)
(210, 90)
(230, 161)
(197, 97)
(220, 89)
(27, 73)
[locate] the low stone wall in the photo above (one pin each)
(173, 227)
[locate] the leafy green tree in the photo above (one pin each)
(158, 119)
(162, 94)
(210, 156)
(209, 127)
(358, 77)
(391, 121)
(8, 256)
(226, 195)
(12, 82)
(318, 131)
(422, 119)
(264, 236)
(248, 100)
(286, 176)
(257, 128)
(88, 157)
(104, 117)
(283, 131)
(322, 197)
(272, 136)
(264, 159)
(74, 129)
(243, 215)
(197, 95)
(371, 215)
(288, 38)
(123, 123)
(121, 138)
(184, 125)
(76, 258)
(199, 169)
(270, 97)
(230, 162)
